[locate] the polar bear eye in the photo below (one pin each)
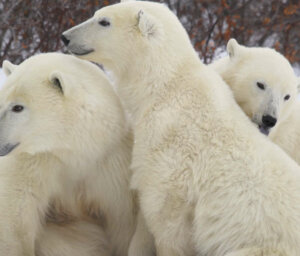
(17, 108)
(287, 97)
(104, 23)
(260, 85)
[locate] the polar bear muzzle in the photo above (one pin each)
(70, 40)
(266, 124)
(7, 148)
(75, 49)
(65, 40)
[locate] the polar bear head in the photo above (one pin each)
(126, 34)
(58, 104)
(263, 83)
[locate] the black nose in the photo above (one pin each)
(65, 40)
(269, 121)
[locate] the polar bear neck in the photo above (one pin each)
(149, 76)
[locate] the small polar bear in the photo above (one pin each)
(64, 184)
(207, 181)
(266, 88)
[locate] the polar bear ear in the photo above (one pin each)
(8, 67)
(233, 48)
(147, 24)
(60, 81)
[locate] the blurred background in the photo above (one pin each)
(28, 27)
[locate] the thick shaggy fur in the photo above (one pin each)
(246, 66)
(208, 182)
(64, 190)
(287, 133)
(74, 239)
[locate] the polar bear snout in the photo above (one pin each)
(266, 124)
(7, 148)
(65, 40)
(75, 39)
(269, 121)
(74, 48)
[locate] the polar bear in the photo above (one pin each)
(207, 181)
(265, 86)
(64, 184)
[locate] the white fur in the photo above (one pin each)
(64, 190)
(243, 69)
(8, 67)
(208, 182)
(287, 133)
(74, 239)
(142, 242)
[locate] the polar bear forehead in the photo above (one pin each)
(36, 70)
(130, 9)
(83, 82)
(261, 57)
(32, 73)
(268, 58)
(268, 66)
(47, 62)
(24, 83)
(272, 78)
